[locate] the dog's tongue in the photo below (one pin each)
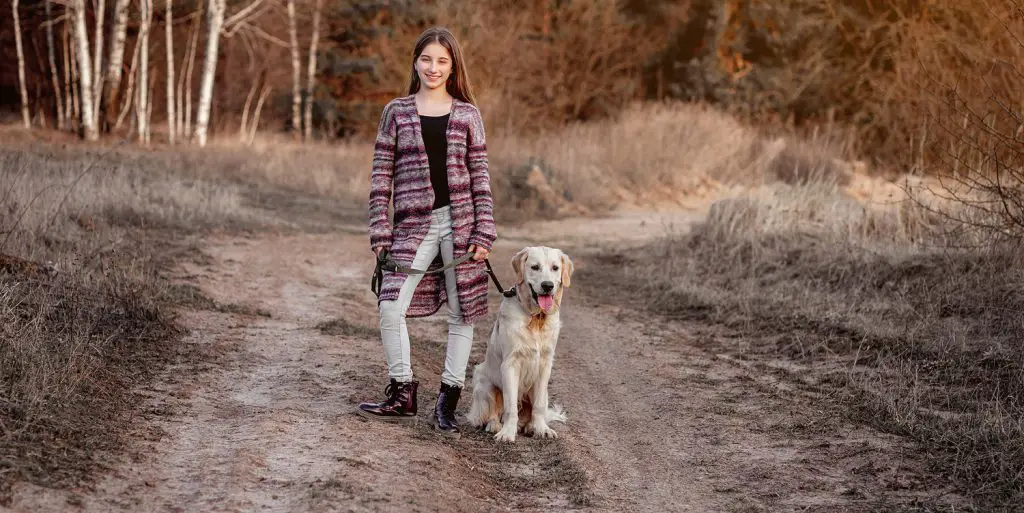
(545, 302)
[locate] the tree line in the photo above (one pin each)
(95, 88)
(883, 70)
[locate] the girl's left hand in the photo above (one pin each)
(481, 253)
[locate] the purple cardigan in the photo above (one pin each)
(401, 172)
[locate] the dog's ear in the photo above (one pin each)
(518, 261)
(567, 269)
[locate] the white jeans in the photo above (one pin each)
(393, 330)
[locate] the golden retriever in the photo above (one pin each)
(510, 387)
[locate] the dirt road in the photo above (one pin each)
(659, 419)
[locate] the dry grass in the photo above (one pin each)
(45, 193)
(653, 154)
(339, 169)
(72, 350)
(74, 347)
(648, 154)
(921, 339)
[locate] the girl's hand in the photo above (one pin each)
(481, 253)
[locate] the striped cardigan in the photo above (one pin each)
(401, 172)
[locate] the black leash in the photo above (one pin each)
(386, 263)
(507, 293)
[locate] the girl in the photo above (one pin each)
(431, 155)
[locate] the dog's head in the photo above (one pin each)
(542, 273)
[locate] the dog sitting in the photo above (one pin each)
(510, 387)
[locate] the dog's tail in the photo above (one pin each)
(481, 402)
(556, 414)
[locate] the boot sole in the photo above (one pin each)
(448, 434)
(394, 419)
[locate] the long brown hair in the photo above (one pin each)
(458, 82)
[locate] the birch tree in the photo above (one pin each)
(98, 58)
(169, 31)
(256, 115)
(311, 71)
(190, 68)
(243, 130)
(142, 103)
(84, 71)
(21, 66)
(129, 95)
(296, 84)
(52, 56)
(215, 17)
(70, 100)
(112, 84)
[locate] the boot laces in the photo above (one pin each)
(394, 391)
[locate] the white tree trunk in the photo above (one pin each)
(180, 97)
(84, 72)
(311, 72)
(112, 84)
(216, 21)
(188, 75)
(97, 59)
(296, 75)
(149, 102)
(21, 66)
(75, 84)
(71, 110)
(129, 94)
(256, 115)
(142, 102)
(168, 18)
(52, 55)
(243, 131)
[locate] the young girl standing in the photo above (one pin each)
(431, 157)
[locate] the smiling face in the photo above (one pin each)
(542, 274)
(437, 62)
(434, 66)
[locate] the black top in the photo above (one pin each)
(436, 142)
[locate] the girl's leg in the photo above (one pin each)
(393, 329)
(460, 342)
(401, 404)
(460, 334)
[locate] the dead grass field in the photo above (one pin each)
(904, 323)
(904, 333)
(108, 220)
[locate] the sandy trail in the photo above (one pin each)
(658, 420)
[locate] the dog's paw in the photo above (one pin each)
(506, 434)
(493, 426)
(540, 430)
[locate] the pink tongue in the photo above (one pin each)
(545, 302)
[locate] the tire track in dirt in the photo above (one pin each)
(656, 423)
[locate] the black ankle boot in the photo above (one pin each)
(399, 406)
(443, 417)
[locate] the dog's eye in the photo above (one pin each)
(535, 267)
(554, 268)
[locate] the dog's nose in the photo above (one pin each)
(547, 286)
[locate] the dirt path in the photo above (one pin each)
(657, 420)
